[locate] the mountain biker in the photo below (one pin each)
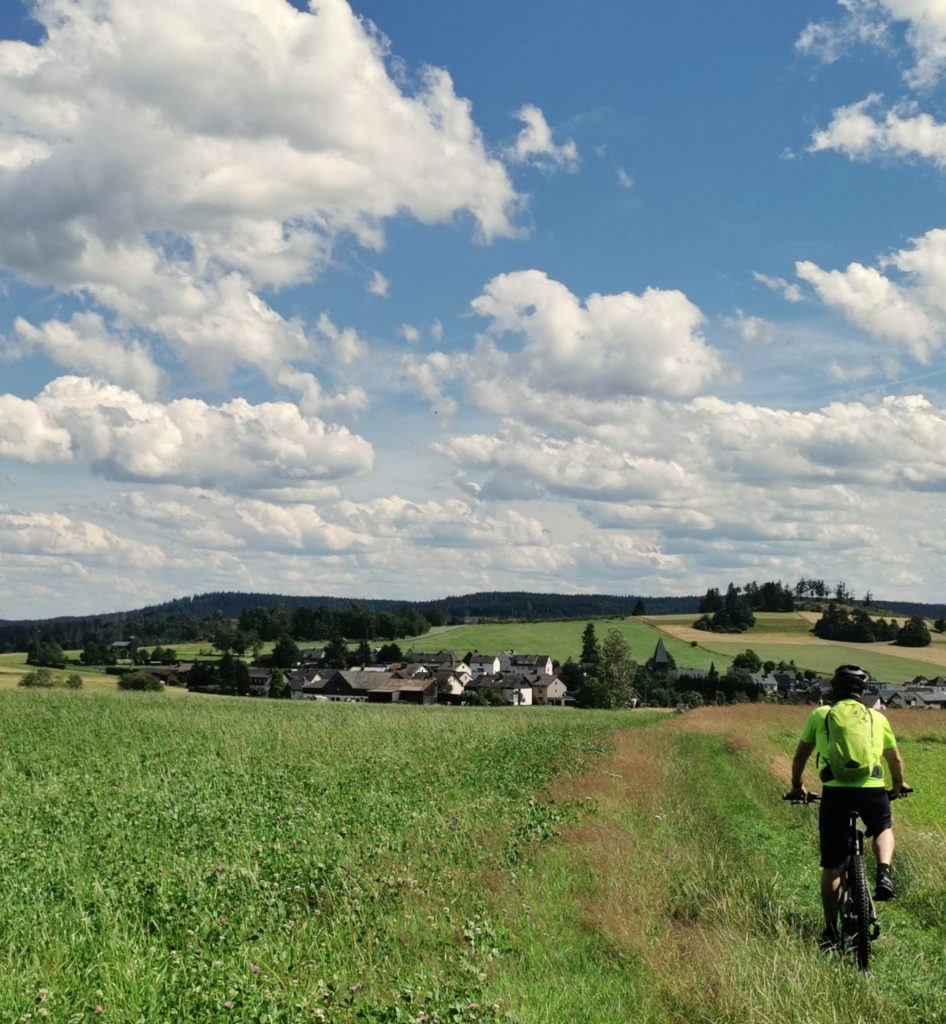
(867, 795)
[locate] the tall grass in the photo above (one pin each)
(218, 859)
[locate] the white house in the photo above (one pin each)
(482, 664)
(511, 663)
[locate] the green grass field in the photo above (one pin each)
(263, 861)
(824, 658)
(788, 637)
(296, 861)
(561, 640)
(13, 667)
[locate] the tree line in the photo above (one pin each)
(192, 619)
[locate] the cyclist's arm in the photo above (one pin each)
(895, 763)
(802, 752)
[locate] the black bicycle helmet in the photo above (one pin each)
(849, 680)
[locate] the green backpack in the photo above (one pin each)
(850, 729)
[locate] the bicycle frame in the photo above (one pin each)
(857, 916)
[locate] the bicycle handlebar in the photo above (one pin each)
(813, 798)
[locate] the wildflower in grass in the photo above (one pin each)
(254, 968)
(99, 1008)
(221, 921)
(358, 987)
(228, 1005)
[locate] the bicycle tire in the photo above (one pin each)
(860, 912)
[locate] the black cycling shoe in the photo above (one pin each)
(829, 940)
(885, 890)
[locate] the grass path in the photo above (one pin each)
(689, 893)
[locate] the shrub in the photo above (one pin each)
(40, 677)
(73, 681)
(913, 633)
(139, 681)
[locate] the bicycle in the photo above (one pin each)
(858, 926)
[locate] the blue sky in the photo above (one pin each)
(410, 299)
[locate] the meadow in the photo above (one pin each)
(786, 636)
(261, 861)
(777, 636)
(562, 640)
(265, 860)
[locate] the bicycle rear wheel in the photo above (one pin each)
(860, 915)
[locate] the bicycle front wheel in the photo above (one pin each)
(860, 915)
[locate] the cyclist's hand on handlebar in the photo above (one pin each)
(900, 791)
(797, 795)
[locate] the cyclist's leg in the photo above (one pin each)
(875, 810)
(833, 841)
(883, 847)
(830, 891)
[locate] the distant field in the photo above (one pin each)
(562, 640)
(787, 636)
(13, 667)
(823, 656)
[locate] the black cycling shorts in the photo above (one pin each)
(871, 803)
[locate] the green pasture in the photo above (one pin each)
(561, 640)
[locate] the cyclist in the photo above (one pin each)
(867, 796)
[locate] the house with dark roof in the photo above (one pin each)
(404, 691)
(260, 679)
(546, 689)
(346, 685)
(511, 663)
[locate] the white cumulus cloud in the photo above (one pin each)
(122, 436)
(170, 162)
(85, 344)
(605, 345)
(909, 312)
(535, 144)
(871, 21)
(378, 285)
(901, 131)
(51, 533)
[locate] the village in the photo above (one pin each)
(514, 679)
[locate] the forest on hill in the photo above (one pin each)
(199, 617)
(190, 619)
